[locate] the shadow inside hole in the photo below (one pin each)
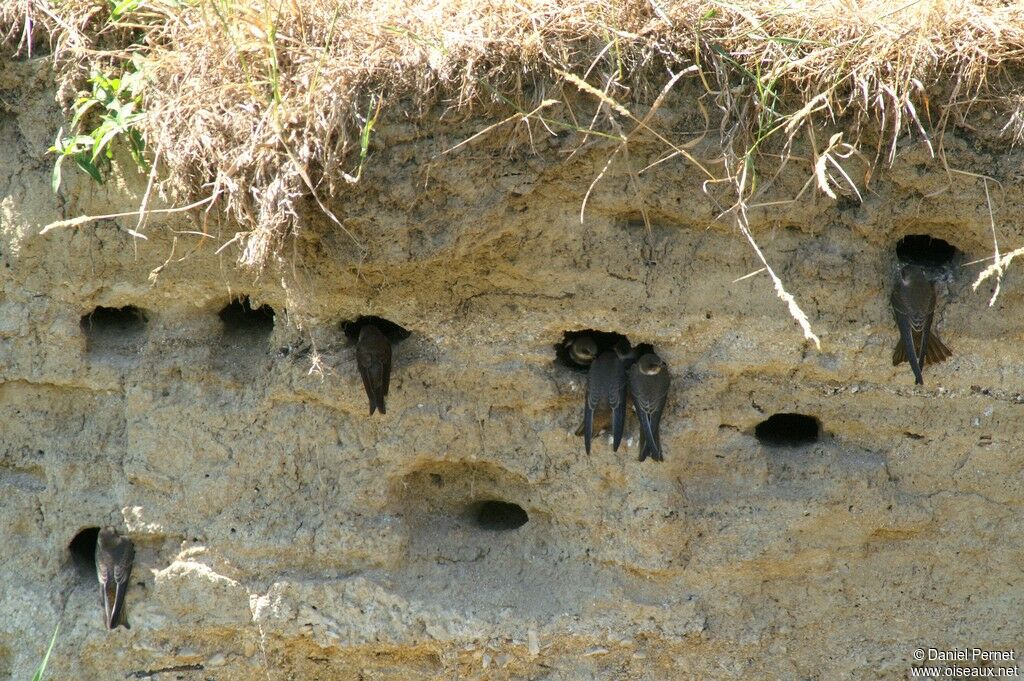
(83, 551)
(114, 328)
(497, 516)
(605, 340)
(392, 331)
(788, 430)
(926, 251)
(642, 349)
(240, 320)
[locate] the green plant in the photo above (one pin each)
(115, 105)
(120, 8)
(38, 676)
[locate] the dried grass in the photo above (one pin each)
(263, 104)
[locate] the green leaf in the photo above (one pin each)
(38, 676)
(103, 90)
(81, 110)
(58, 142)
(123, 7)
(92, 133)
(55, 179)
(137, 147)
(97, 135)
(364, 138)
(132, 120)
(86, 164)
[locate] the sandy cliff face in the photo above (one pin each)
(281, 533)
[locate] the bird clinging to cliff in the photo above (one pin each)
(913, 306)
(114, 557)
(582, 350)
(648, 384)
(373, 356)
(606, 390)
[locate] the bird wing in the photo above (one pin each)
(109, 603)
(386, 371)
(366, 373)
(596, 394)
(122, 573)
(595, 399)
(921, 341)
(588, 422)
(618, 402)
(649, 395)
(907, 339)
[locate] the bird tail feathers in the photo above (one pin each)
(935, 352)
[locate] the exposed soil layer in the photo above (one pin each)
(282, 533)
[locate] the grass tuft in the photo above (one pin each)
(261, 104)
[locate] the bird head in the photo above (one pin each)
(651, 364)
(624, 351)
(583, 350)
(107, 537)
(911, 274)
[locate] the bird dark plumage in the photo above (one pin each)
(649, 382)
(373, 356)
(913, 306)
(606, 390)
(114, 557)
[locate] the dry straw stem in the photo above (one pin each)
(265, 104)
(1000, 262)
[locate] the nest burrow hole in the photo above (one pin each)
(926, 251)
(788, 430)
(497, 516)
(392, 331)
(240, 318)
(108, 323)
(605, 340)
(83, 549)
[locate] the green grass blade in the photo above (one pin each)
(38, 676)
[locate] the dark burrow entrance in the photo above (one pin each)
(394, 332)
(83, 551)
(497, 516)
(604, 340)
(926, 251)
(788, 430)
(113, 327)
(240, 320)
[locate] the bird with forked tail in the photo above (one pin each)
(649, 382)
(913, 306)
(114, 557)
(606, 392)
